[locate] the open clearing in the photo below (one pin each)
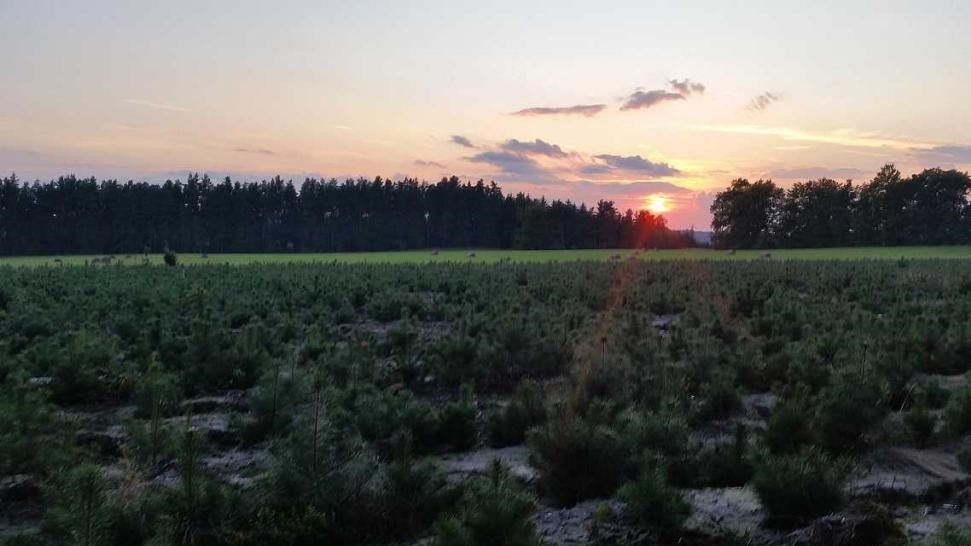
(492, 256)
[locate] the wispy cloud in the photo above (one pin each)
(606, 163)
(645, 99)
(585, 110)
(424, 163)
(680, 90)
(517, 157)
(343, 128)
(686, 87)
(809, 173)
(840, 137)
(955, 153)
(638, 188)
(461, 141)
(537, 161)
(510, 163)
(261, 151)
(536, 147)
(763, 101)
(156, 105)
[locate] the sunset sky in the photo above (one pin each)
(650, 104)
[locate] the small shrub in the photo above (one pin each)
(650, 438)
(652, 502)
(413, 494)
(950, 534)
(664, 433)
(920, 425)
(79, 513)
(170, 258)
(726, 465)
(932, 394)
(719, 397)
(845, 412)
(494, 511)
(456, 424)
(799, 486)
(957, 413)
(508, 425)
(28, 439)
(577, 460)
(787, 429)
(964, 459)
(156, 393)
(151, 443)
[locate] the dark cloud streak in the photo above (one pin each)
(763, 101)
(424, 163)
(509, 162)
(261, 151)
(585, 110)
(461, 141)
(686, 87)
(633, 163)
(645, 99)
(537, 147)
(950, 152)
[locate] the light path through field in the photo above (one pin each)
(492, 256)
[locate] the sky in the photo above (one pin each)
(654, 105)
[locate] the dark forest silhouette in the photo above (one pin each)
(928, 208)
(84, 216)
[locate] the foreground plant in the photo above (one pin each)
(799, 486)
(654, 503)
(494, 511)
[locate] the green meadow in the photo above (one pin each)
(492, 256)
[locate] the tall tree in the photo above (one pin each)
(746, 215)
(817, 213)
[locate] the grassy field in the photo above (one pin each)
(491, 256)
(670, 383)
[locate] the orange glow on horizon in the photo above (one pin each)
(658, 204)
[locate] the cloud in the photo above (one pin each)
(537, 147)
(840, 137)
(423, 163)
(956, 153)
(813, 173)
(510, 162)
(686, 87)
(156, 105)
(262, 151)
(518, 157)
(585, 110)
(646, 99)
(680, 90)
(763, 101)
(462, 141)
(633, 163)
(620, 188)
(537, 161)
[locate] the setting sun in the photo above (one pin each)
(658, 204)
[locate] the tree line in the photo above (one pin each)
(71, 215)
(928, 208)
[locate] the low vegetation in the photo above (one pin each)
(294, 403)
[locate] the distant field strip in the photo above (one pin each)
(492, 256)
